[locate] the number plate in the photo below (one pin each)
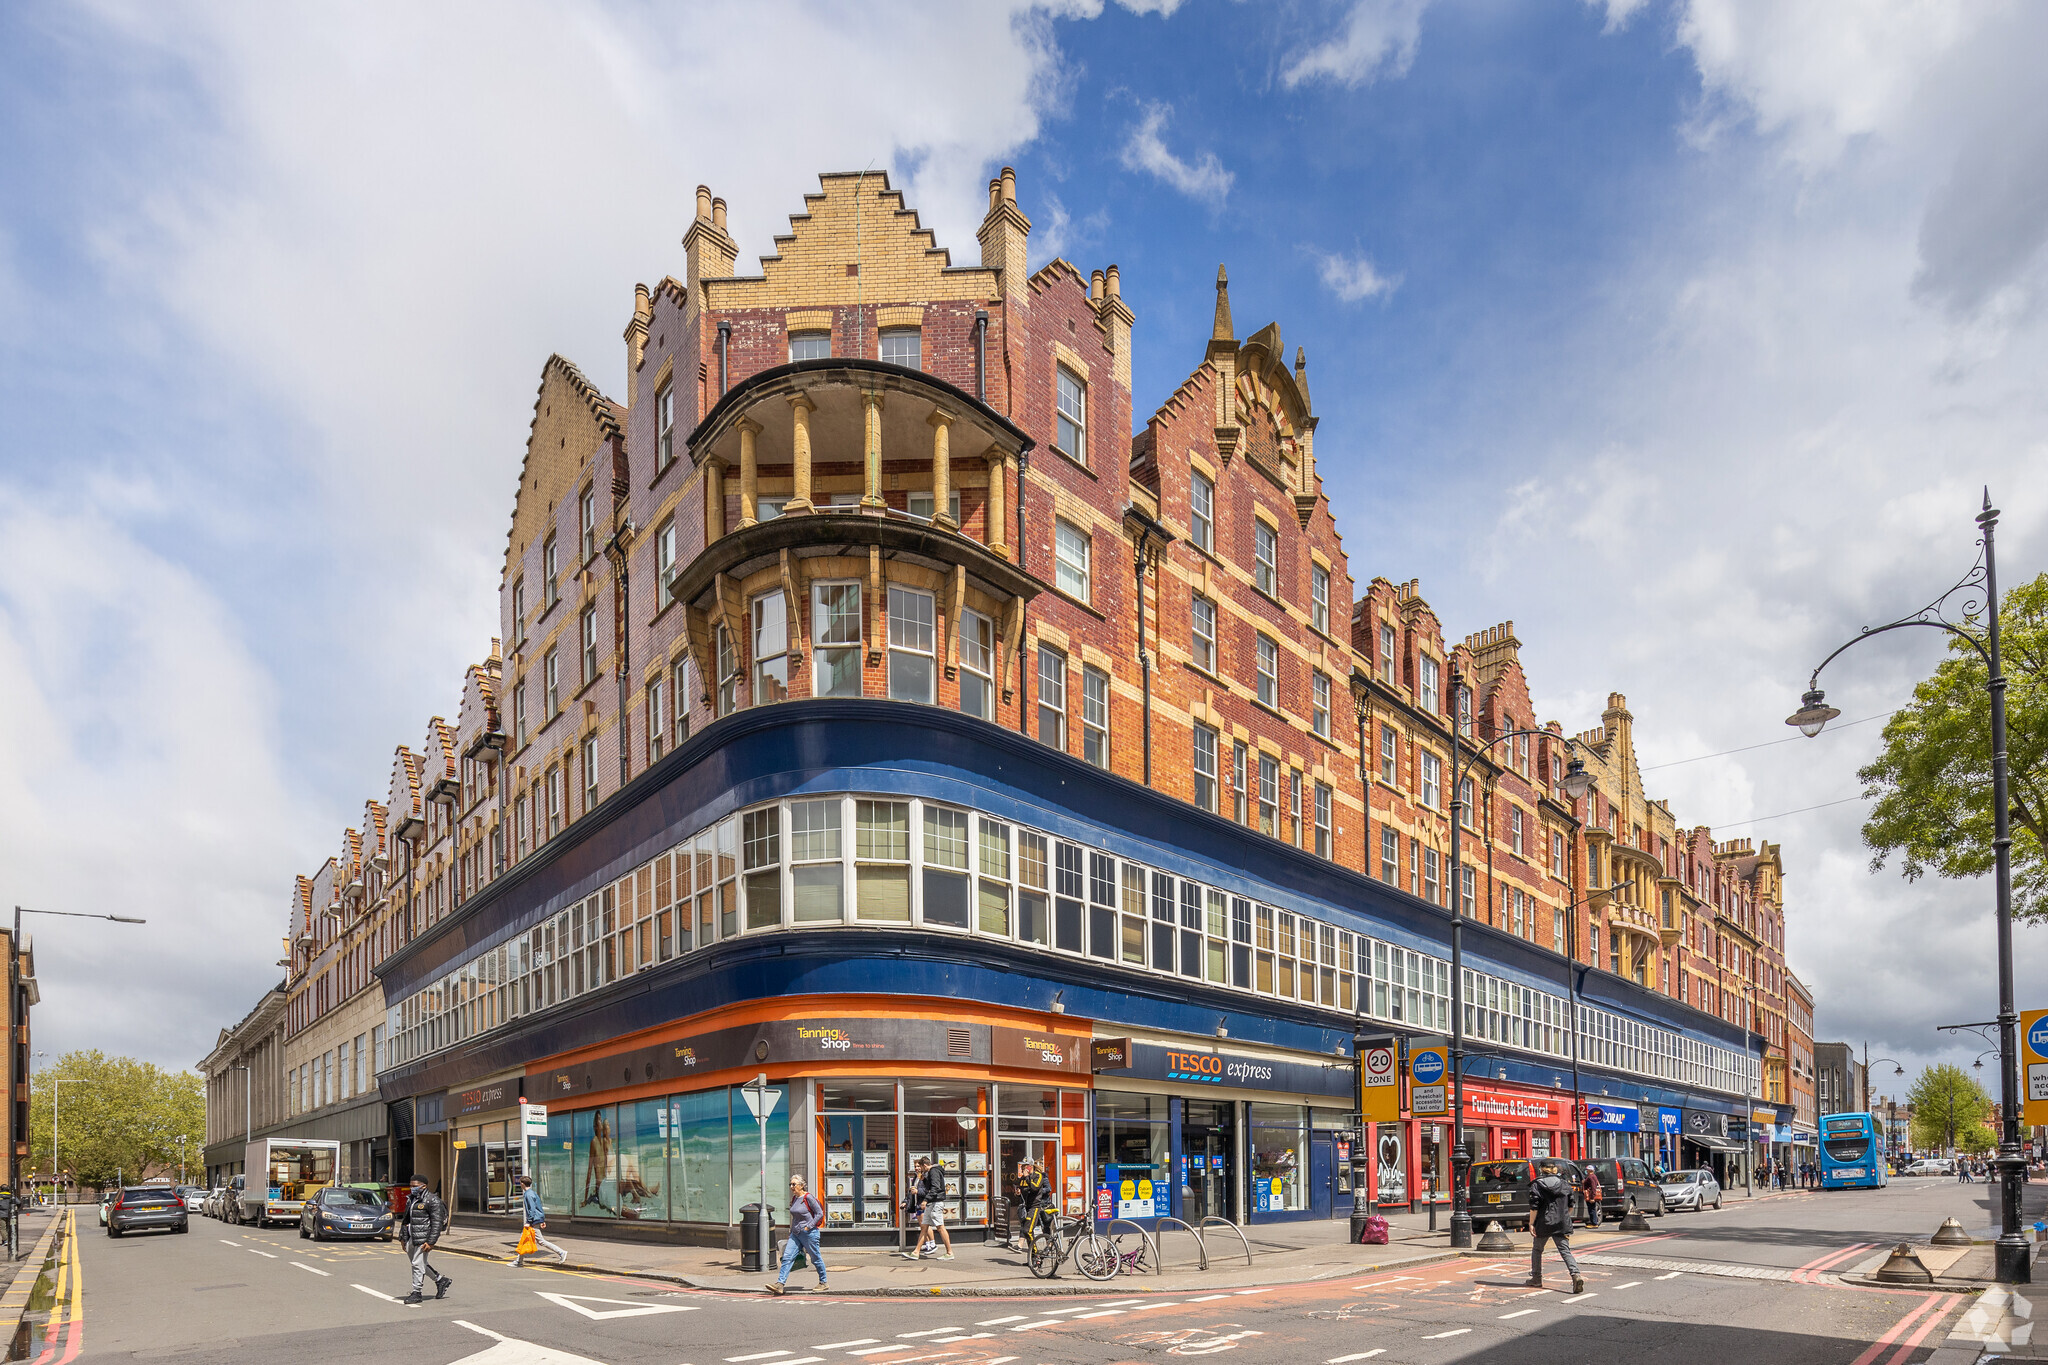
(1495, 1198)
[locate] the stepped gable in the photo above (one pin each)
(566, 405)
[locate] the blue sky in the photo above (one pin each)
(1681, 332)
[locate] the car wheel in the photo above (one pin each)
(303, 1234)
(113, 1231)
(387, 1236)
(184, 1227)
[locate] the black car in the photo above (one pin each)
(1500, 1189)
(1625, 1180)
(344, 1211)
(138, 1210)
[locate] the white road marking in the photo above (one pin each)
(1630, 1285)
(1002, 1360)
(877, 1350)
(266, 1255)
(1518, 1313)
(758, 1355)
(1672, 1276)
(1359, 1355)
(994, 1322)
(1593, 1295)
(303, 1266)
(376, 1293)
(226, 1243)
(626, 1308)
(513, 1351)
(1454, 1332)
(1042, 1322)
(941, 1341)
(1105, 1313)
(842, 1345)
(900, 1336)
(1206, 1297)
(1169, 1303)
(1121, 1303)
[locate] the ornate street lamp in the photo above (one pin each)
(1979, 591)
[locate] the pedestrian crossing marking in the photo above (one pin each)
(627, 1308)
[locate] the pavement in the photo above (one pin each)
(1752, 1281)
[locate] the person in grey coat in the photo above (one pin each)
(1552, 1222)
(426, 1218)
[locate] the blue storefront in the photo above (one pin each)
(912, 918)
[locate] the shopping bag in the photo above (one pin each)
(528, 1242)
(1375, 1231)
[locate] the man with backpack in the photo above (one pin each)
(425, 1219)
(806, 1216)
(1552, 1222)
(928, 1202)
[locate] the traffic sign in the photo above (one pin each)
(1379, 1081)
(2034, 1075)
(1428, 1066)
(761, 1101)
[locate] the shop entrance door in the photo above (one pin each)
(1015, 1151)
(1208, 1144)
(1322, 1178)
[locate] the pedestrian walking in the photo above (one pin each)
(536, 1223)
(1590, 1183)
(426, 1217)
(806, 1216)
(928, 1197)
(1553, 1223)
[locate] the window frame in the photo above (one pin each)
(1319, 710)
(1201, 643)
(1075, 418)
(1050, 708)
(908, 649)
(1268, 670)
(1265, 557)
(1319, 597)
(665, 425)
(884, 336)
(1065, 538)
(763, 661)
(1202, 512)
(1095, 708)
(805, 337)
(826, 653)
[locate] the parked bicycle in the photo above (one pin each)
(1051, 1238)
(1130, 1253)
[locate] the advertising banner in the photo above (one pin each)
(1703, 1123)
(1670, 1121)
(1606, 1116)
(1393, 1165)
(1512, 1109)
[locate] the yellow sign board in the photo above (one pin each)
(1379, 1081)
(1429, 1075)
(2034, 1066)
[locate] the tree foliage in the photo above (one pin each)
(1932, 783)
(116, 1117)
(1947, 1101)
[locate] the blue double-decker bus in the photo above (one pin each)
(1850, 1155)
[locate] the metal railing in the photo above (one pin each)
(1159, 1243)
(1213, 1221)
(1150, 1243)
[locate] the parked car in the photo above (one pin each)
(231, 1201)
(1500, 1189)
(1691, 1191)
(1624, 1179)
(140, 1209)
(106, 1201)
(345, 1211)
(1933, 1165)
(194, 1197)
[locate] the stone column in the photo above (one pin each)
(871, 404)
(995, 521)
(800, 410)
(714, 499)
(942, 469)
(750, 500)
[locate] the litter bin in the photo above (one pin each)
(750, 1234)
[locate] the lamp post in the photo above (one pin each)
(1575, 784)
(57, 1084)
(17, 1025)
(2012, 1256)
(1898, 1069)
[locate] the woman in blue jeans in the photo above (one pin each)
(806, 1215)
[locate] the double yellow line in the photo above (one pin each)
(68, 1309)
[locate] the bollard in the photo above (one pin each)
(1950, 1234)
(1633, 1220)
(1904, 1267)
(1494, 1239)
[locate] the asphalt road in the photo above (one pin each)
(1748, 1287)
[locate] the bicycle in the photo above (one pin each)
(1130, 1254)
(1051, 1238)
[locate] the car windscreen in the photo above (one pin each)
(133, 1198)
(361, 1200)
(1500, 1172)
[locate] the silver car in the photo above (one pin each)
(1691, 1191)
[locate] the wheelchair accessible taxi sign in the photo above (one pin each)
(2034, 1052)
(1428, 1096)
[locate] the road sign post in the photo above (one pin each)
(763, 1102)
(2034, 1067)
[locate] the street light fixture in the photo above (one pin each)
(1979, 590)
(17, 1047)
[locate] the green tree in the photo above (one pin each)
(1978, 1140)
(116, 1117)
(1948, 1105)
(1932, 783)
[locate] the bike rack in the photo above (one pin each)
(1149, 1240)
(1159, 1244)
(1212, 1219)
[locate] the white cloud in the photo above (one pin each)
(1352, 278)
(1144, 150)
(1379, 38)
(1619, 12)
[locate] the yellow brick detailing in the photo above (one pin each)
(810, 320)
(900, 315)
(854, 220)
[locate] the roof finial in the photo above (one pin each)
(1223, 331)
(1301, 373)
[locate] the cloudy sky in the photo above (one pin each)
(1683, 333)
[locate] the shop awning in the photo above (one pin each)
(1715, 1143)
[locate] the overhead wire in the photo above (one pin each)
(1789, 739)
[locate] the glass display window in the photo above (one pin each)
(1132, 1160)
(1279, 1158)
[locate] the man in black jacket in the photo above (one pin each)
(425, 1219)
(1553, 1220)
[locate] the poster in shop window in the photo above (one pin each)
(1393, 1183)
